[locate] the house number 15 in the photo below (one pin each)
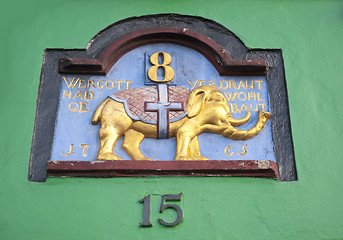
(146, 211)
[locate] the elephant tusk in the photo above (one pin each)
(236, 134)
(239, 122)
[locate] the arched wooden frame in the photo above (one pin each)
(102, 63)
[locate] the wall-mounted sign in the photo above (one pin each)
(163, 95)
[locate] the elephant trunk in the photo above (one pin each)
(236, 134)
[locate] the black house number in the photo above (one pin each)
(146, 210)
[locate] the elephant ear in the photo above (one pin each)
(195, 102)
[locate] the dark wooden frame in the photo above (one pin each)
(246, 168)
(221, 47)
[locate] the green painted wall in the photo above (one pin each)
(310, 33)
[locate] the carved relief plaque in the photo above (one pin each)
(182, 99)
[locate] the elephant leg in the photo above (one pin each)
(114, 124)
(183, 139)
(194, 150)
(108, 136)
(132, 140)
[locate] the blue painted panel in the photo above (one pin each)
(191, 70)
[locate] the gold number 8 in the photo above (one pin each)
(168, 71)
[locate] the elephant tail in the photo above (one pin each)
(96, 116)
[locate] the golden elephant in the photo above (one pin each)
(207, 111)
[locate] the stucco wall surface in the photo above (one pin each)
(310, 33)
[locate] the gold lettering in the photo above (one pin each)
(242, 99)
(252, 85)
(232, 83)
(193, 86)
(234, 108)
(89, 95)
(229, 96)
(244, 107)
(244, 150)
(256, 109)
(85, 146)
(82, 109)
(202, 82)
(212, 83)
(78, 95)
(73, 109)
(258, 98)
(259, 84)
(66, 94)
(226, 151)
(71, 84)
(251, 95)
(263, 106)
(112, 83)
(241, 84)
(128, 84)
(98, 84)
(119, 84)
(221, 84)
(81, 81)
(168, 71)
(70, 151)
(90, 83)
